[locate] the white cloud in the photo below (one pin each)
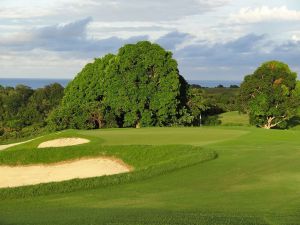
(23, 13)
(126, 29)
(208, 37)
(264, 14)
(108, 10)
(69, 39)
(39, 63)
(296, 37)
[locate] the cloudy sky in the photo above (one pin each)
(211, 39)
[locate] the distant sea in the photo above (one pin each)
(38, 83)
(215, 83)
(33, 83)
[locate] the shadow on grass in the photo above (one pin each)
(133, 216)
(293, 122)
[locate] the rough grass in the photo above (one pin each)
(234, 119)
(254, 180)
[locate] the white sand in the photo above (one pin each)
(35, 174)
(63, 142)
(2, 147)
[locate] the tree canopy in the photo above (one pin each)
(270, 95)
(140, 86)
(22, 107)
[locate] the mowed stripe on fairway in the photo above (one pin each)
(165, 136)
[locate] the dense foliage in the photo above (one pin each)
(24, 110)
(197, 104)
(140, 86)
(206, 104)
(223, 99)
(271, 95)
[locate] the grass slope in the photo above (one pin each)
(254, 180)
(234, 118)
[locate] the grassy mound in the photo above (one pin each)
(147, 161)
(138, 156)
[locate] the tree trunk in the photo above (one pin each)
(268, 125)
(138, 124)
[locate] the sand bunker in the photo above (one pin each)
(35, 174)
(62, 142)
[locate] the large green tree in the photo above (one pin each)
(146, 86)
(270, 95)
(140, 86)
(78, 107)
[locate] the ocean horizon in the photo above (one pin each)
(39, 82)
(34, 83)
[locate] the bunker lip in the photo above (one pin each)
(63, 142)
(3, 147)
(15, 176)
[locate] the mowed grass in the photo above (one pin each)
(254, 180)
(145, 160)
(164, 136)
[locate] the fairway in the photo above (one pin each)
(164, 136)
(254, 180)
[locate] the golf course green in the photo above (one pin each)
(222, 175)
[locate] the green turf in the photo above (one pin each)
(137, 147)
(146, 160)
(234, 119)
(164, 136)
(254, 180)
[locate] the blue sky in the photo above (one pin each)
(210, 39)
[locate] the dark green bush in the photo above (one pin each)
(212, 120)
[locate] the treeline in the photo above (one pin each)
(23, 111)
(141, 86)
